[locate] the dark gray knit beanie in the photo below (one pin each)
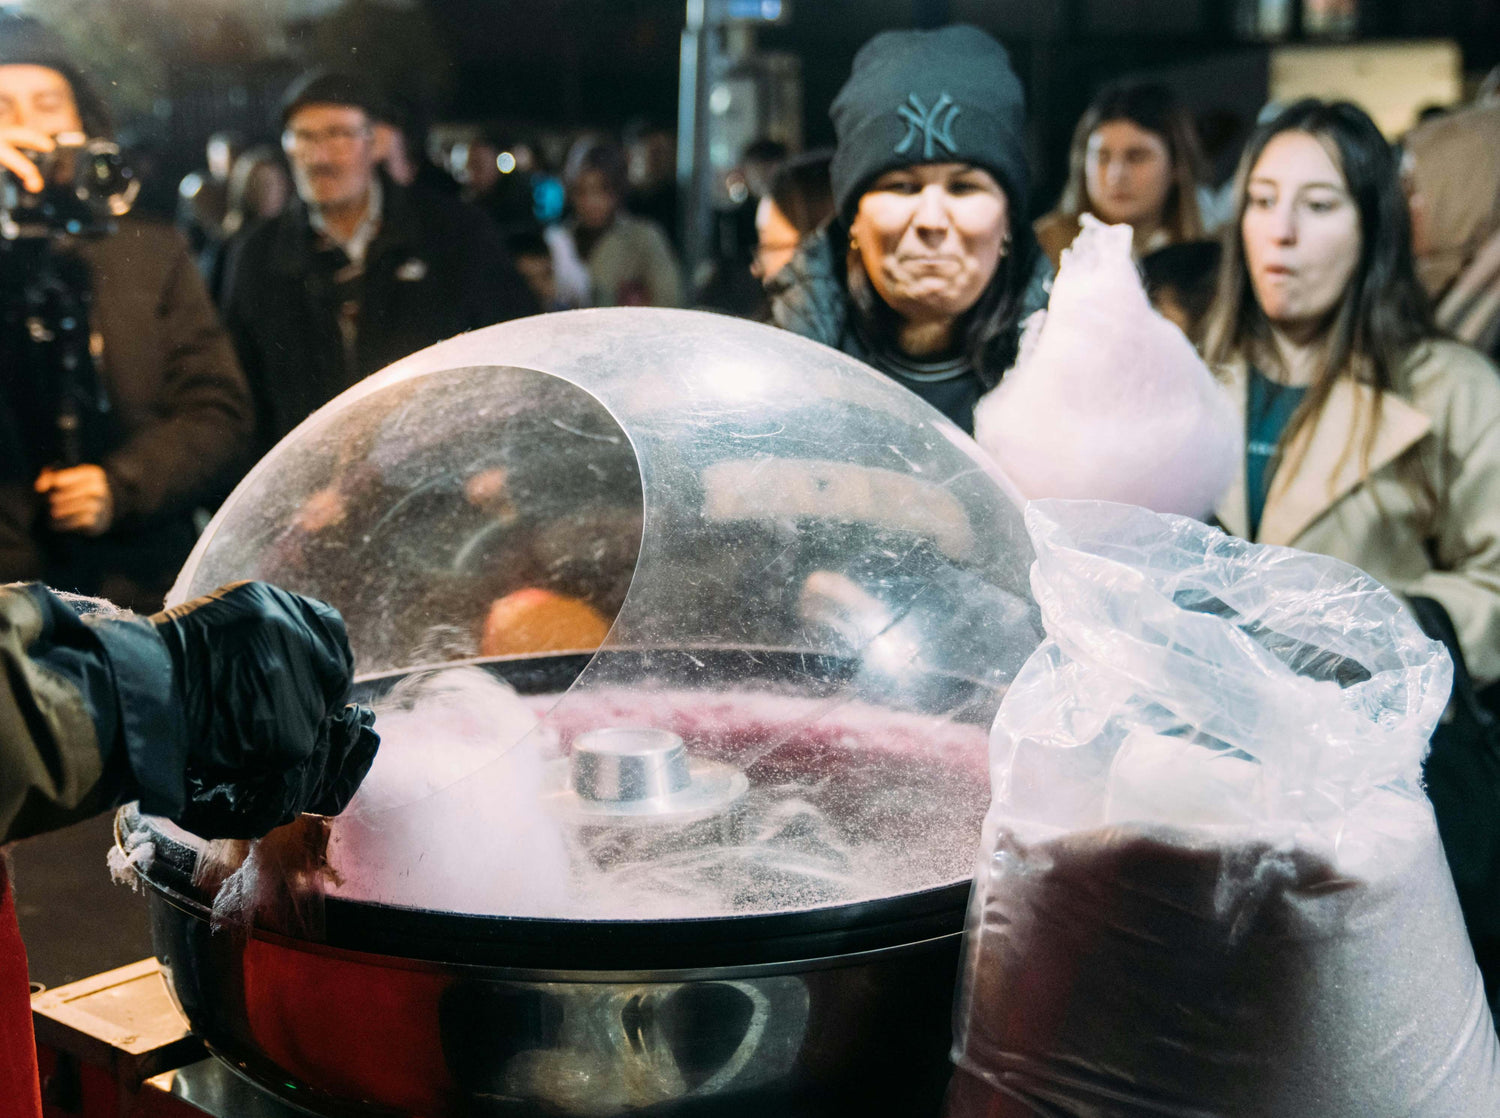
(25, 42)
(945, 96)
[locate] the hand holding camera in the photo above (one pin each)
(64, 183)
(14, 143)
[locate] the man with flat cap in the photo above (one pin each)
(359, 271)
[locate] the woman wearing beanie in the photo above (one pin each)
(929, 265)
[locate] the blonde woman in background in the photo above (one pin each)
(1134, 161)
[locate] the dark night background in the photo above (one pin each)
(180, 69)
(559, 65)
(602, 62)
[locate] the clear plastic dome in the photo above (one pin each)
(799, 593)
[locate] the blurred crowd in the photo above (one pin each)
(1347, 289)
(1344, 290)
(356, 234)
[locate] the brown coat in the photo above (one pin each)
(1054, 232)
(1453, 163)
(182, 417)
(1443, 544)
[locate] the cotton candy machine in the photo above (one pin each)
(685, 635)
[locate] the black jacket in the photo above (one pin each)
(810, 296)
(179, 416)
(435, 268)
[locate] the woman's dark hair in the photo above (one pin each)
(26, 42)
(990, 330)
(1383, 312)
(1188, 272)
(1154, 108)
(238, 203)
(800, 190)
(603, 156)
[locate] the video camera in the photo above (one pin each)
(46, 289)
(88, 185)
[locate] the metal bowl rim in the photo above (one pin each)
(198, 911)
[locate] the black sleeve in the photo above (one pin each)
(1462, 777)
(86, 715)
(494, 290)
(237, 300)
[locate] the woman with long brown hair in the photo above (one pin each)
(1368, 437)
(1364, 425)
(1134, 161)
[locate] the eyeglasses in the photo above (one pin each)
(342, 137)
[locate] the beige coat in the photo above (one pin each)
(1453, 165)
(1444, 546)
(633, 265)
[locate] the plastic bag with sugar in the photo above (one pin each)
(1209, 883)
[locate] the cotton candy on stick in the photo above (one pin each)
(1108, 400)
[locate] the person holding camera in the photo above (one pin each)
(121, 402)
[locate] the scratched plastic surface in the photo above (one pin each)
(698, 483)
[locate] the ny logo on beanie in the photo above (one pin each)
(935, 127)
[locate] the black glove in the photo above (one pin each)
(263, 678)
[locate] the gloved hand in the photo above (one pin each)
(263, 677)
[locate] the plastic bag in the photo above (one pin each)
(1210, 884)
(1108, 399)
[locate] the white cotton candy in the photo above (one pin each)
(1108, 400)
(452, 807)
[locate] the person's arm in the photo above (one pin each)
(238, 300)
(204, 412)
(567, 268)
(52, 770)
(90, 714)
(18, 147)
(495, 291)
(808, 296)
(228, 714)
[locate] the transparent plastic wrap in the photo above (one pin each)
(698, 530)
(1209, 883)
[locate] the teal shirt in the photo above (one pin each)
(1268, 410)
